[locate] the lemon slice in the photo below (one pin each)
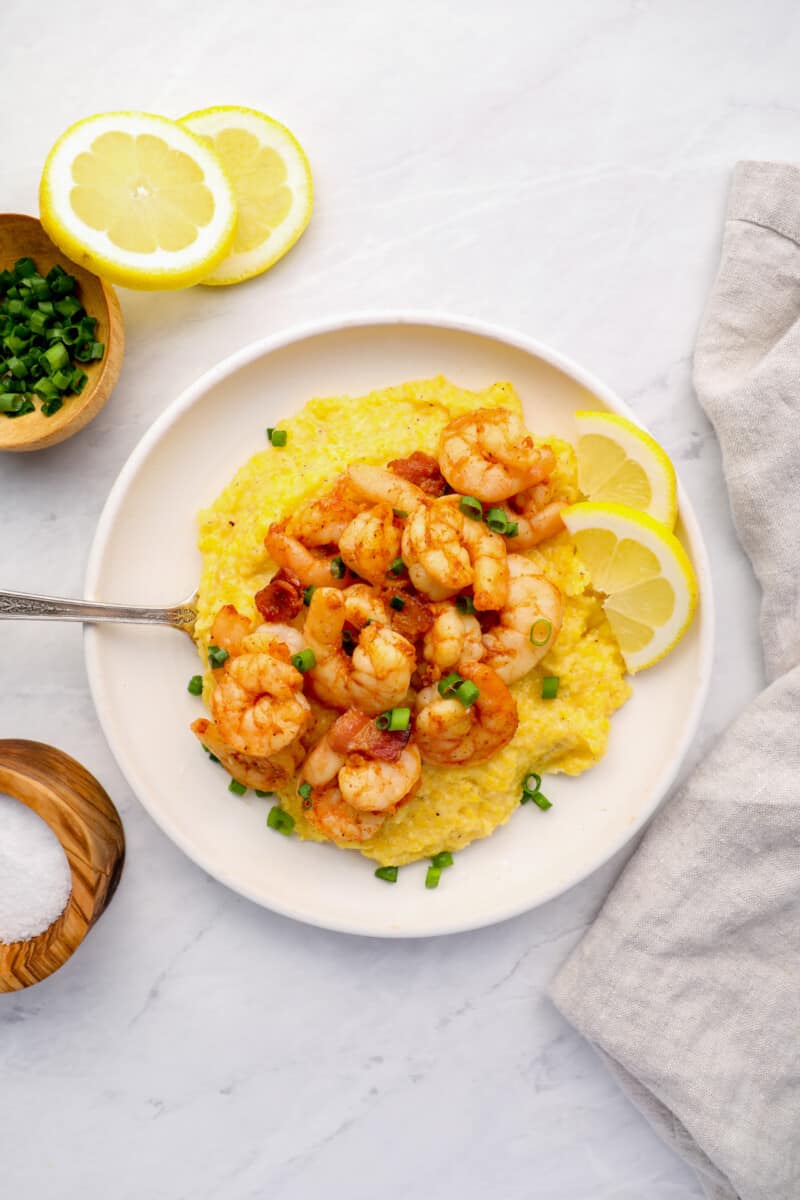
(618, 463)
(645, 574)
(137, 199)
(271, 180)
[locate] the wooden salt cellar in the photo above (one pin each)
(87, 824)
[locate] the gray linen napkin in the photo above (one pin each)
(689, 980)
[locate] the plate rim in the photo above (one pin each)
(262, 347)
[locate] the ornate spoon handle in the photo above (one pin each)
(53, 608)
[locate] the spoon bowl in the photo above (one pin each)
(23, 236)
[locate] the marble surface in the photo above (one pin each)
(561, 169)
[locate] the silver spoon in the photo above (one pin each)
(53, 608)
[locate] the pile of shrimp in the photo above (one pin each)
(393, 627)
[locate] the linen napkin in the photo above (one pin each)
(689, 980)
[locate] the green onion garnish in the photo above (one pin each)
(277, 436)
(237, 788)
(397, 603)
(512, 529)
(497, 520)
(304, 790)
(465, 604)
(535, 785)
(213, 757)
(443, 859)
(467, 693)
(449, 683)
(550, 687)
(432, 877)
(217, 656)
(394, 719)
(389, 874)
(338, 568)
(471, 507)
(263, 795)
(530, 791)
(308, 593)
(280, 820)
(195, 685)
(304, 660)
(541, 630)
(400, 512)
(541, 801)
(397, 567)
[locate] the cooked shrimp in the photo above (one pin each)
(454, 637)
(445, 551)
(265, 774)
(336, 819)
(363, 604)
(537, 513)
(322, 522)
(371, 542)
(378, 674)
(312, 568)
(258, 704)
(489, 454)
(533, 611)
(229, 630)
(450, 734)
(381, 485)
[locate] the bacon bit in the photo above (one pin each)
(414, 619)
(488, 620)
(282, 598)
(422, 470)
(424, 675)
(356, 733)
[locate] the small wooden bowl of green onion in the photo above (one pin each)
(61, 339)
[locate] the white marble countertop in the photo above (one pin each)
(559, 168)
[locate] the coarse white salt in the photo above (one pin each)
(35, 879)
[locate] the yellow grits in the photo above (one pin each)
(458, 804)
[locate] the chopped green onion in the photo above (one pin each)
(277, 436)
(497, 520)
(195, 685)
(471, 508)
(338, 567)
(432, 877)
(449, 683)
(397, 603)
(467, 693)
(541, 801)
(389, 874)
(11, 402)
(541, 631)
(51, 407)
(400, 512)
(512, 529)
(280, 820)
(263, 795)
(304, 660)
(237, 788)
(213, 757)
(304, 790)
(217, 656)
(61, 380)
(397, 567)
(443, 859)
(24, 268)
(527, 786)
(17, 367)
(550, 687)
(56, 356)
(465, 604)
(394, 719)
(308, 593)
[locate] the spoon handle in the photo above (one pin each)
(53, 608)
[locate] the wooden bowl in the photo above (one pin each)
(87, 824)
(20, 236)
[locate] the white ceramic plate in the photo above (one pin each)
(144, 552)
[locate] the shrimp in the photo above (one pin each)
(322, 522)
(371, 543)
(265, 774)
(258, 704)
(537, 514)
(359, 776)
(533, 611)
(229, 630)
(382, 486)
(450, 734)
(489, 454)
(445, 551)
(454, 637)
(311, 568)
(376, 677)
(363, 604)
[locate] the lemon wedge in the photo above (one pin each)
(271, 180)
(649, 583)
(618, 463)
(137, 199)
